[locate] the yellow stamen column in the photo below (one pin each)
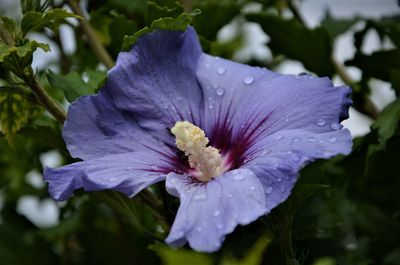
(193, 141)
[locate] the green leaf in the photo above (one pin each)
(395, 80)
(335, 26)
(379, 64)
(254, 256)
(13, 114)
(33, 5)
(17, 58)
(181, 22)
(387, 122)
(8, 23)
(21, 51)
(221, 12)
(33, 20)
(302, 192)
(73, 85)
(291, 38)
(170, 256)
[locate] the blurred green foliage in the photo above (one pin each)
(342, 211)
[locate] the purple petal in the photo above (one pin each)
(225, 84)
(156, 80)
(95, 128)
(211, 210)
(246, 104)
(277, 159)
(128, 173)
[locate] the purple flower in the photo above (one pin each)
(228, 139)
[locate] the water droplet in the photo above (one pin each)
(209, 98)
(207, 65)
(199, 229)
(180, 234)
(336, 126)
(220, 91)
(113, 179)
(311, 139)
(210, 106)
(216, 213)
(221, 70)
(220, 226)
(238, 176)
(230, 195)
(268, 190)
(129, 168)
(332, 139)
(265, 152)
(248, 80)
(279, 137)
(253, 188)
(279, 179)
(200, 197)
(154, 167)
(304, 74)
(295, 140)
(321, 122)
(321, 141)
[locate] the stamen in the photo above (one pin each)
(193, 141)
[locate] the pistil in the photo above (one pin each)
(206, 160)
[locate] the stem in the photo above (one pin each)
(44, 98)
(369, 107)
(97, 47)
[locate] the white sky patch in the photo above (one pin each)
(51, 159)
(35, 179)
(358, 123)
(42, 213)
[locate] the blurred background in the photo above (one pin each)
(352, 219)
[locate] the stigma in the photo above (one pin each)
(206, 160)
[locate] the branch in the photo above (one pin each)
(98, 49)
(369, 107)
(44, 98)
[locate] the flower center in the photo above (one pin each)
(206, 160)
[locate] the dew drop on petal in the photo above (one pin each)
(332, 139)
(129, 168)
(207, 65)
(268, 190)
(199, 229)
(221, 70)
(311, 139)
(295, 140)
(321, 122)
(279, 137)
(216, 213)
(210, 106)
(336, 126)
(230, 195)
(265, 152)
(220, 91)
(200, 197)
(321, 141)
(248, 80)
(154, 167)
(220, 226)
(253, 188)
(113, 179)
(238, 177)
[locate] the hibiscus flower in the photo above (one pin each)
(228, 139)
